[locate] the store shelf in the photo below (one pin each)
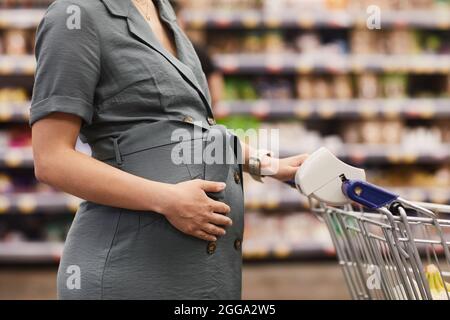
(307, 252)
(434, 195)
(332, 109)
(17, 65)
(254, 249)
(33, 202)
(252, 19)
(30, 252)
(302, 109)
(22, 157)
(20, 18)
(14, 112)
(311, 251)
(288, 63)
(354, 153)
(278, 63)
(288, 202)
(384, 154)
(280, 205)
(296, 18)
(50, 252)
(16, 157)
(29, 203)
(57, 203)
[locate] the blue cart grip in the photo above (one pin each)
(367, 194)
(291, 183)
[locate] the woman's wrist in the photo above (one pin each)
(269, 166)
(157, 196)
(261, 164)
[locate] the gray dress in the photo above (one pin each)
(110, 70)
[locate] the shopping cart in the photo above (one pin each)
(389, 248)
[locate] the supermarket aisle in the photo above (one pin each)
(261, 281)
(379, 99)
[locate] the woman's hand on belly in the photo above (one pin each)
(187, 207)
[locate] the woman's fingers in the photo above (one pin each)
(219, 219)
(211, 186)
(290, 171)
(297, 161)
(204, 236)
(293, 164)
(196, 214)
(213, 230)
(219, 207)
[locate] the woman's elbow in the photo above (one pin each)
(52, 138)
(42, 169)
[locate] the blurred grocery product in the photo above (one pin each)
(15, 137)
(364, 41)
(15, 42)
(12, 95)
(447, 93)
(395, 85)
(308, 42)
(368, 86)
(438, 289)
(342, 87)
(5, 183)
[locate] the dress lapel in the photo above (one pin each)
(188, 56)
(141, 30)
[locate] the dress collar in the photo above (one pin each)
(118, 7)
(140, 29)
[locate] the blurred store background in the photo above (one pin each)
(380, 99)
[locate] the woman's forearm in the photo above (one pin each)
(85, 177)
(246, 151)
(185, 205)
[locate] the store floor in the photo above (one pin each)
(260, 281)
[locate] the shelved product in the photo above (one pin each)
(368, 86)
(292, 235)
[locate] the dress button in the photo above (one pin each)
(211, 121)
(238, 244)
(188, 119)
(237, 177)
(211, 248)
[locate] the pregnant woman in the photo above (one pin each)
(123, 76)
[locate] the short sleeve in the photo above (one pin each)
(68, 63)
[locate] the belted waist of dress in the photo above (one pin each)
(152, 135)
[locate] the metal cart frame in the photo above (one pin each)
(383, 251)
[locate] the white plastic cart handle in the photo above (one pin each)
(320, 177)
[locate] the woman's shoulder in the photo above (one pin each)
(82, 4)
(70, 24)
(84, 11)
